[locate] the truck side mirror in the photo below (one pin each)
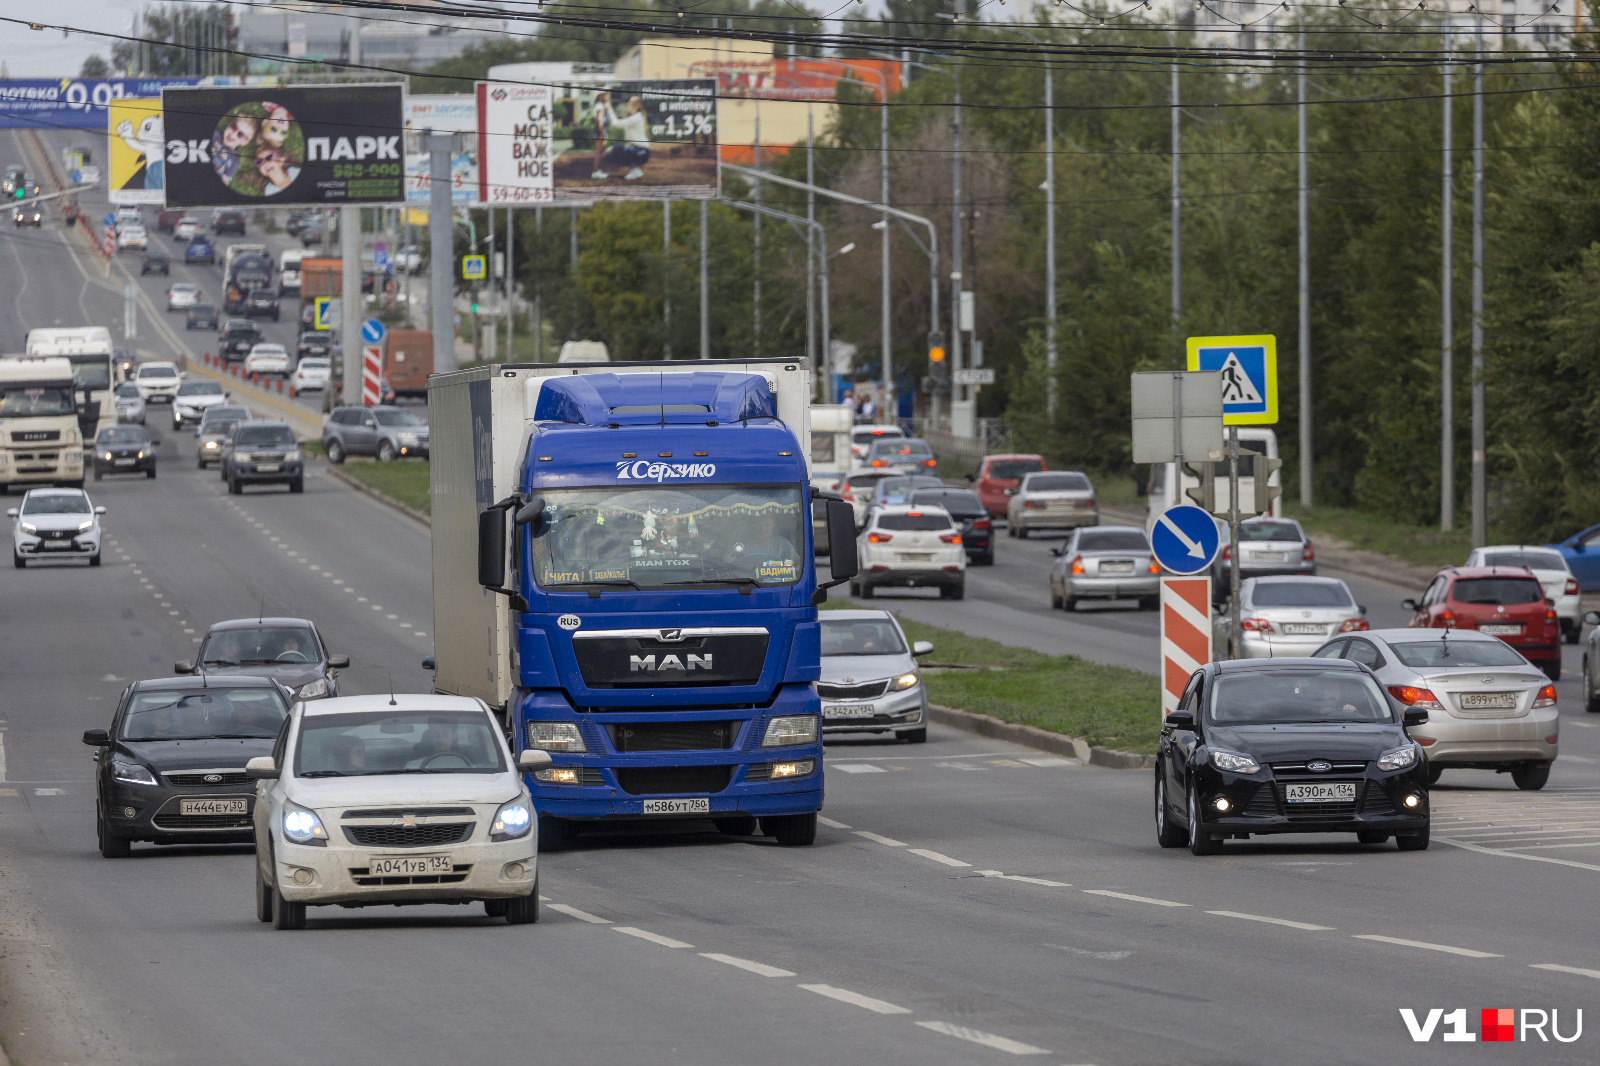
(492, 548)
(842, 558)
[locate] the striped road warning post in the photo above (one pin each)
(1185, 633)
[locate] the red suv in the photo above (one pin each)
(998, 477)
(1503, 601)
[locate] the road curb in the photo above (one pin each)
(1041, 739)
(382, 497)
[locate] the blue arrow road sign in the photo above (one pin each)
(372, 331)
(1184, 539)
(110, 220)
(380, 255)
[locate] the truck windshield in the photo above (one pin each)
(91, 371)
(35, 401)
(670, 535)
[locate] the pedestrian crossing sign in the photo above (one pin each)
(1249, 369)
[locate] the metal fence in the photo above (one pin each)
(960, 454)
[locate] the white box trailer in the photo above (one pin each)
(479, 422)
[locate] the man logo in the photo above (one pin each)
(671, 635)
(1496, 1024)
(1319, 766)
(648, 664)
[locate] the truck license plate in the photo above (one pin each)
(1322, 792)
(697, 805)
(409, 865)
(188, 807)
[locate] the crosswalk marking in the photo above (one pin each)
(1519, 822)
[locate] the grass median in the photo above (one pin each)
(405, 480)
(1105, 705)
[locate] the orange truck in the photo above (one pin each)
(408, 360)
(321, 277)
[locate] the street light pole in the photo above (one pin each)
(955, 245)
(1480, 459)
(1177, 214)
(1305, 286)
(886, 411)
(1447, 374)
(1050, 238)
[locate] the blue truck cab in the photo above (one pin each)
(624, 565)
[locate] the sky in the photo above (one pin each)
(32, 54)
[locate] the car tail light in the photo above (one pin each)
(879, 538)
(1571, 587)
(1083, 505)
(950, 538)
(930, 462)
(1426, 742)
(1034, 505)
(1306, 554)
(1354, 625)
(1155, 567)
(1227, 552)
(1447, 619)
(1255, 625)
(1545, 698)
(1549, 616)
(1077, 564)
(982, 523)
(1420, 698)
(880, 462)
(848, 496)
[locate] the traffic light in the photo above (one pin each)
(1203, 495)
(22, 192)
(1265, 493)
(938, 364)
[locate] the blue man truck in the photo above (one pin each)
(623, 566)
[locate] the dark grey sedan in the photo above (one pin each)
(288, 650)
(124, 450)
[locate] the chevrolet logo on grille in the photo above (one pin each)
(410, 821)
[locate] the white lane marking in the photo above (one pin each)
(857, 768)
(1583, 725)
(420, 633)
(830, 823)
(1133, 898)
(1047, 760)
(1104, 956)
(1558, 968)
(1308, 927)
(347, 588)
(936, 857)
(582, 916)
(1517, 854)
(888, 842)
(654, 938)
(957, 766)
(977, 1036)
(49, 792)
(405, 625)
(361, 599)
(1023, 879)
(760, 968)
(338, 582)
(391, 617)
(1425, 946)
(856, 999)
(2, 757)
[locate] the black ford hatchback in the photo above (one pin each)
(171, 767)
(1288, 746)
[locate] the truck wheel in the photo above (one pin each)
(741, 825)
(791, 830)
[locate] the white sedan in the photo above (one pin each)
(182, 296)
(132, 237)
(312, 375)
(392, 800)
(187, 229)
(268, 359)
(55, 522)
(911, 547)
(158, 381)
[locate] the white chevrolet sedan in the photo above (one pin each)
(392, 800)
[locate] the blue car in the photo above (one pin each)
(200, 250)
(1582, 552)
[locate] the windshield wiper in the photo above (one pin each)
(621, 583)
(325, 773)
(430, 770)
(218, 662)
(743, 584)
(236, 736)
(254, 662)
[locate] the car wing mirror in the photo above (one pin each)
(1415, 717)
(102, 510)
(183, 667)
(1179, 720)
(921, 648)
(1410, 605)
(1362, 608)
(1577, 546)
(98, 738)
(262, 768)
(531, 759)
(339, 662)
(11, 512)
(1057, 551)
(430, 663)
(1592, 617)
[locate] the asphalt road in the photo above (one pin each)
(967, 901)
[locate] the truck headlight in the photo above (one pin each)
(555, 736)
(905, 681)
(799, 768)
(303, 827)
(791, 729)
(512, 820)
(131, 773)
(1398, 759)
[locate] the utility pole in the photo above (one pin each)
(538, 286)
(955, 247)
(886, 360)
(350, 301)
(705, 286)
(494, 333)
(1177, 219)
(1306, 466)
(666, 279)
(441, 261)
(1480, 458)
(819, 362)
(756, 345)
(1447, 375)
(1049, 236)
(511, 286)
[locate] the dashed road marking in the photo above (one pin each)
(1425, 946)
(1306, 926)
(937, 857)
(857, 768)
(888, 842)
(1132, 898)
(976, 1036)
(830, 823)
(582, 916)
(1556, 967)
(856, 999)
(760, 968)
(1047, 760)
(654, 938)
(1024, 879)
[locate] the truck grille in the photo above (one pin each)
(670, 780)
(30, 435)
(672, 736)
(868, 691)
(408, 836)
(640, 658)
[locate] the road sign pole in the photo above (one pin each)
(350, 299)
(441, 255)
(1233, 542)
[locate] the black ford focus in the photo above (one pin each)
(171, 767)
(1288, 746)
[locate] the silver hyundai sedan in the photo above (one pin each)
(870, 682)
(1281, 616)
(1489, 708)
(1105, 562)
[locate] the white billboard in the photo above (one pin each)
(514, 140)
(454, 114)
